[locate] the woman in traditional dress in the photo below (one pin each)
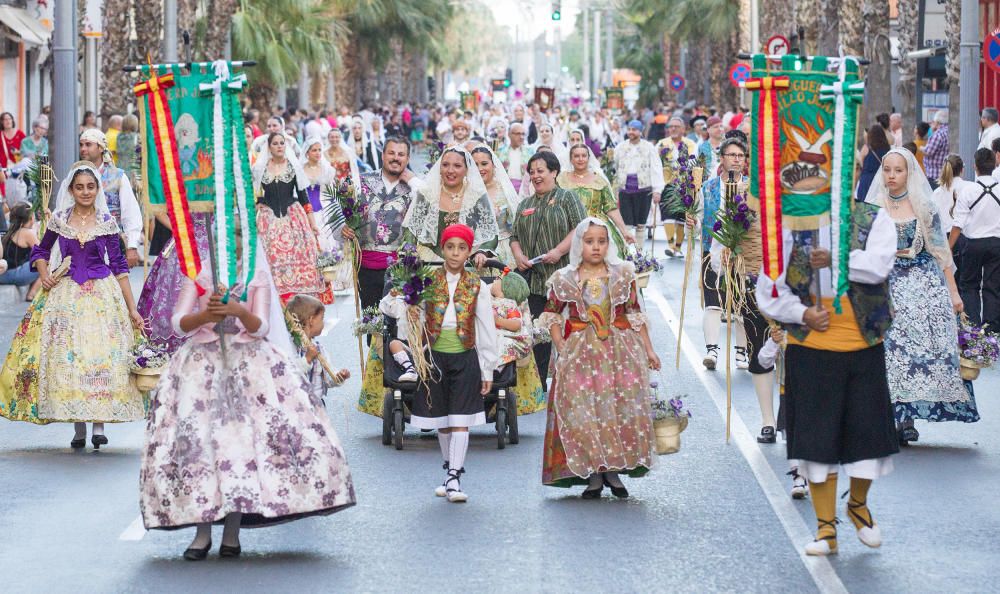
(587, 181)
(320, 175)
(529, 392)
(921, 346)
(343, 162)
(547, 138)
(69, 361)
(600, 423)
(234, 436)
(260, 144)
(285, 224)
(364, 146)
(163, 286)
(454, 192)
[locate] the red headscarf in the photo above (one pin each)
(463, 232)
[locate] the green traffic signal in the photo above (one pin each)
(506, 83)
(556, 15)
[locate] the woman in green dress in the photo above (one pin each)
(587, 181)
(502, 195)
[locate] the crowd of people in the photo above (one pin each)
(563, 199)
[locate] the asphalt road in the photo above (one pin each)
(715, 517)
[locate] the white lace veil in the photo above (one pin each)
(921, 199)
(476, 212)
(327, 174)
(593, 164)
(260, 167)
(65, 200)
(347, 155)
(367, 142)
(501, 177)
(576, 249)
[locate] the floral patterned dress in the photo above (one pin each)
(163, 286)
(599, 411)
(599, 201)
(516, 346)
(243, 434)
(921, 346)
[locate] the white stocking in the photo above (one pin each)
(80, 431)
(98, 428)
(711, 322)
(640, 236)
(459, 445)
(444, 440)
(763, 384)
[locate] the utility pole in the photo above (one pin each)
(64, 87)
(92, 35)
(598, 73)
(609, 47)
(968, 81)
(170, 32)
(586, 48)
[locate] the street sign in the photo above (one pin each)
(739, 73)
(677, 82)
(991, 51)
(777, 45)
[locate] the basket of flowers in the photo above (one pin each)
(410, 277)
(327, 263)
(978, 348)
(670, 419)
(645, 265)
(146, 362)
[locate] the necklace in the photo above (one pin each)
(81, 233)
(580, 175)
(895, 201)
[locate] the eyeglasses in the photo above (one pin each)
(735, 155)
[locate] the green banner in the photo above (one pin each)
(192, 120)
(807, 130)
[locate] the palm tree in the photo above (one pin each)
(115, 54)
(852, 27)
(907, 22)
(878, 98)
(953, 32)
(281, 36)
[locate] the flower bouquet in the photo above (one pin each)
(350, 210)
(690, 171)
(434, 152)
(371, 322)
(978, 348)
(327, 263)
(146, 363)
(670, 419)
(410, 278)
(608, 164)
(731, 229)
(645, 264)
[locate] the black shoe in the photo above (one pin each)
(77, 444)
(193, 554)
(228, 552)
(619, 492)
(907, 435)
(592, 493)
(98, 441)
(767, 435)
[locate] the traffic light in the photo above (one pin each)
(557, 10)
(508, 75)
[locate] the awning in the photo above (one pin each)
(24, 25)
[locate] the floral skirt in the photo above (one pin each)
(69, 358)
(599, 416)
(529, 392)
(292, 251)
(921, 346)
(223, 440)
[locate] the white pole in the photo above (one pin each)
(64, 87)
(968, 81)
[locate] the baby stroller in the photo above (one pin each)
(500, 408)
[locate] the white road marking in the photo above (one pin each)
(135, 530)
(798, 532)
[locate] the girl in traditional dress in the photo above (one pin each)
(320, 175)
(600, 422)
(587, 181)
(921, 346)
(234, 435)
(344, 164)
(287, 229)
(69, 361)
(458, 319)
(163, 285)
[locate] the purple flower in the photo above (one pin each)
(141, 361)
(742, 207)
(717, 226)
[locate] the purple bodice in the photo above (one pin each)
(99, 256)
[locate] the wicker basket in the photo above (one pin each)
(968, 368)
(642, 280)
(146, 379)
(668, 434)
(329, 273)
